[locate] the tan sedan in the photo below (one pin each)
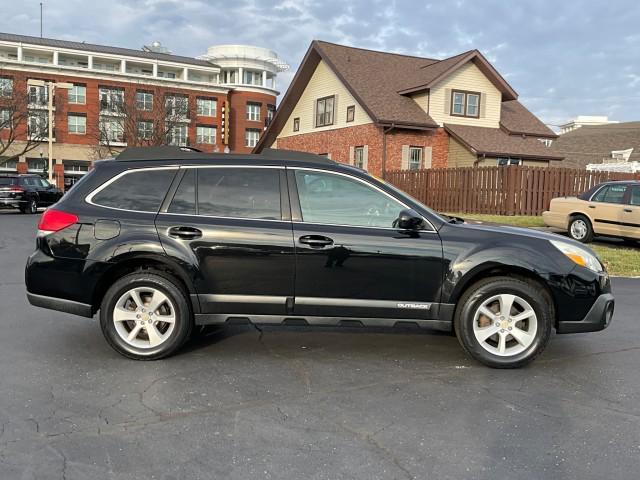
(611, 209)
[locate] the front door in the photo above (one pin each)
(230, 224)
(350, 261)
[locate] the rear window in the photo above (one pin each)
(635, 195)
(8, 181)
(141, 191)
(611, 194)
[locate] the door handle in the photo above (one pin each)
(185, 233)
(592, 206)
(628, 210)
(316, 241)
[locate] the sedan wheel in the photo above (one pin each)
(580, 229)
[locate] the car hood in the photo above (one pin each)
(502, 230)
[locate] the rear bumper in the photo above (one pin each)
(598, 318)
(557, 220)
(60, 304)
(11, 202)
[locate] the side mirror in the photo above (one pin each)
(409, 220)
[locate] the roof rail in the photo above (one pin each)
(157, 153)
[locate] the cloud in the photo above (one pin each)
(564, 58)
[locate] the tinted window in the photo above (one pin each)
(7, 180)
(635, 195)
(184, 201)
(335, 199)
(610, 194)
(44, 182)
(142, 191)
(239, 192)
(30, 181)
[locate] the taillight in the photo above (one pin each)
(16, 189)
(55, 220)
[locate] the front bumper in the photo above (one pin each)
(598, 318)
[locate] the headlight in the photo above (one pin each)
(578, 255)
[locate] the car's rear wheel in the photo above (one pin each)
(580, 229)
(145, 316)
(504, 322)
(31, 207)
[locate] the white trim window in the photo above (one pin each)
(111, 99)
(358, 157)
(78, 95)
(5, 117)
(77, 124)
(251, 137)
(253, 111)
(144, 100)
(415, 158)
(6, 86)
(111, 130)
(506, 161)
(178, 135)
(145, 129)
(206, 135)
(206, 107)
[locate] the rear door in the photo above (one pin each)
(231, 226)
(631, 213)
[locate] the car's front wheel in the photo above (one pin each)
(504, 322)
(145, 316)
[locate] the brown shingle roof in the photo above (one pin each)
(515, 118)
(494, 142)
(376, 78)
(593, 143)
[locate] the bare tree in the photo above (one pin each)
(23, 119)
(139, 119)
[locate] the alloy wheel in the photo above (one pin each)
(579, 229)
(144, 317)
(505, 325)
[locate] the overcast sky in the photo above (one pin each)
(563, 57)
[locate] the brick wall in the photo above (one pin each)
(238, 104)
(337, 143)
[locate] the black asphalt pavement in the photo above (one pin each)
(299, 404)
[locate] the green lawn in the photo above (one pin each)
(620, 260)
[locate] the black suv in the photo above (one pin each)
(27, 192)
(159, 240)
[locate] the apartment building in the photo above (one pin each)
(104, 98)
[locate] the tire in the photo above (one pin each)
(171, 322)
(580, 229)
(31, 207)
(534, 331)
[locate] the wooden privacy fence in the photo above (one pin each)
(510, 190)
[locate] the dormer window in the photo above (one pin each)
(465, 104)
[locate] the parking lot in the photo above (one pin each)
(287, 403)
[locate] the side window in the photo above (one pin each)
(239, 193)
(335, 199)
(29, 181)
(635, 195)
(141, 191)
(44, 183)
(184, 201)
(610, 194)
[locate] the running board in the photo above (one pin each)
(288, 320)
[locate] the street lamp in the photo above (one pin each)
(51, 87)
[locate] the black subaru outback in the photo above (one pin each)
(162, 239)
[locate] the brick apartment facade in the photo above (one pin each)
(382, 111)
(245, 84)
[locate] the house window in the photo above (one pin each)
(178, 136)
(271, 111)
(351, 113)
(38, 95)
(506, 161)
(252, 78)
(5, 118)
(145, 130)
(77, 124)
(415, 158)
(38, 124)
(251, 136)
(111, 100)
(6, 86)
(296, 124)
(78, 94)
(206, 135)
(324, 111)
(358, 157)
(144, 100)
(206, 107)
(465, 104)
(253, 112)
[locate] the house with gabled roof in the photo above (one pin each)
(384, 111)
